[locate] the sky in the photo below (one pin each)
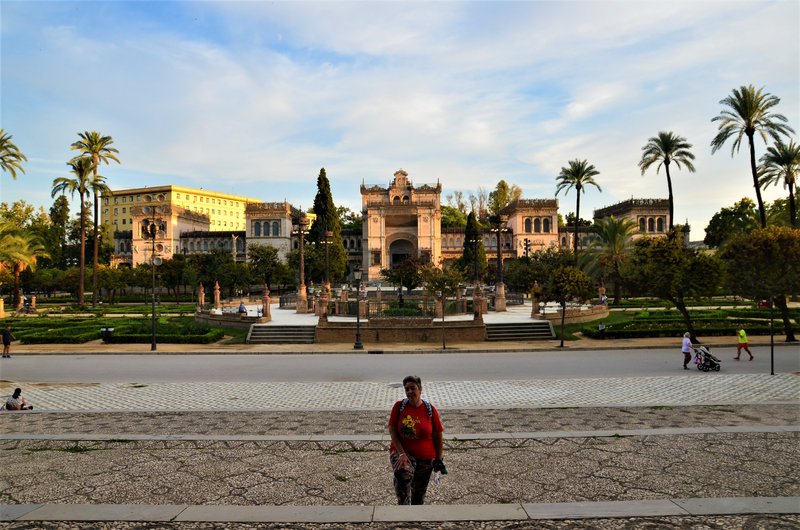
(253, 98)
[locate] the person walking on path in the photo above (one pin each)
(742, 344)
(7, 338)
(16, 402)
(416, 448)
(687, 348)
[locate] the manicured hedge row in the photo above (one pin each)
(213, 335)
(719, 330)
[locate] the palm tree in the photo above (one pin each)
(748, 112)
(611, 243)
(578, 175)
(11, 157)
(781, 163)
(82, 168)
(665, 149)
(20, 250)
(98, 148)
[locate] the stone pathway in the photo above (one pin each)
(676, 390)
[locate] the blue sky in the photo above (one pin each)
(253, 97)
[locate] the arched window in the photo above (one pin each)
(537, 225)
(641, 224)
(494, 242)
(528, 225)
(660, 224)
(396, 200)
(256, 229)
(191, 246)
(205, 245)
(563, 241)
(405, 200)
(651, 225)
(276, 229)
(358, 243)
(546, 225)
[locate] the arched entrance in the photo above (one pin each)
(399, 251)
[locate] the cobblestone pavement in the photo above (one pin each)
(644, 391)
(371, 422)
(744, 522)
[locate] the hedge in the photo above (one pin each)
(674, 331)
(213, 335)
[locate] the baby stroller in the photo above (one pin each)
(704, 360)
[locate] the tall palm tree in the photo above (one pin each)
(11, 157)
(97, 147)
(665, 149)
(82, 168)
(578, 174)
(19, 250)
(749, 112)
(611, 243)
(781, 164)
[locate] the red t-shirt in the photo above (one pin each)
(416, 429)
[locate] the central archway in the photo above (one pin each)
(400, 250)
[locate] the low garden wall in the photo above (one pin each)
(577, 316)
(393, 330)
(228, 320)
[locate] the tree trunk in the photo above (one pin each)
(761, 211)
(96, 248)
(577, 222)
(792, 207)
(780, 301)
(81, 285)
(671, 199)
(680, 306)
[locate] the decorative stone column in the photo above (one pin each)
(217, 304)
(33, 303)
(500, 297)
(267, 301)
(2, 308)
(478, 303)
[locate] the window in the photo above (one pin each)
(123, 199)
(537, 225)
(177, 195)
(123, 221)
(124, 210)
(660, 224)
(138, 198)
(651, 225)
(116, 200)
(276, 229)
(546, 225)
(105, 201)
(528, 225)
(376, 258)
(116, 211)
(257, 229)
(641, 224)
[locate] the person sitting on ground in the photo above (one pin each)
(16, 402)
(242, 308)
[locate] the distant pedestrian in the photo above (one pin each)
(742, 343)
(242, 308)
(416, 448)
(687, 348)
(7, 338)
(16, 402)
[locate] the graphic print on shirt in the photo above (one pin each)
(408, 427)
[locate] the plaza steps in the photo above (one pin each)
(272, 334)
(520, 331)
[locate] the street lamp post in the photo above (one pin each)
(440, 296)
(328, 235)
(152, 233)
(499, 222)
(476, 291)
(358, 344)
(301, 229)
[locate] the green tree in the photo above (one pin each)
(503, 195)
(327, 219)
(780, 165)
(113, 279)
(11, 158)
(453, 218)
(265, 264)
(763, 264)
(611, 245)
(348, 219)
(83, 169)
(663, 150)
(779, 212)
(405, 274)
(473, 242)
(27, 248)
(563, 283)
(578, 174)
(749, 111)
(173, 273)
(664, 268)
(727, 223)
(97, 148)
(216, 266)
(59, 217)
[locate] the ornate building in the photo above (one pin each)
(174, 210)
(400, 221)
(270, 224)
(650, 215)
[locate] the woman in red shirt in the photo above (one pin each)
(416, 448)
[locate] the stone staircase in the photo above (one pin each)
(273, 334)
(520, 331)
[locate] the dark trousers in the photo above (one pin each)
(687, 356)
(411, 482)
